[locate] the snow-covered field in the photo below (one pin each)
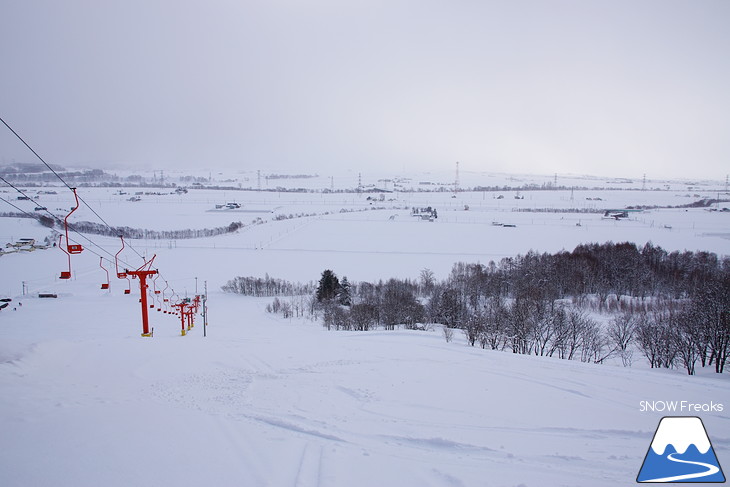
(266, 401)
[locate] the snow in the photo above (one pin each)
(266, 401)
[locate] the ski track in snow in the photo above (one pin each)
(310, 466)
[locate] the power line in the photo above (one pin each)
(31, 215)
(70, 188)
(61, 179)
(34, 216)
(34, 152)
(57, 219)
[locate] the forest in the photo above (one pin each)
(598, 302)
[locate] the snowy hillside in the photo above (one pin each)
(263, 400)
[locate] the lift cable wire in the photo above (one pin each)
(61, 179)
(54, 217)
(31, 215)
(34, 216)
(34, 152)
(68, 186)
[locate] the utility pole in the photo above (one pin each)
(259, 178)
(643, 183)
(456, 180)
(205, 309)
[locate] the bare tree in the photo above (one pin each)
(474, 327)
(448, 333)
(686, 335)
(595, 346)
(621, 330)
(427, 282)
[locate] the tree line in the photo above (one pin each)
(129, 232)
(598, 302)
(266, 287)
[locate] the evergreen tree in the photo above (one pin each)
(328, 287)
(344, 296)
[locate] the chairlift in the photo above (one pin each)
(104, 285)
(122, 275)
(65, 274)
(157, 293)
(72, 248)
(154, 284)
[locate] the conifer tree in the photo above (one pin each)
(328, 286)
(344, 296)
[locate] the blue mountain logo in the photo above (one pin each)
(681, 452)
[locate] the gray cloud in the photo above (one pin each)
(558, 86)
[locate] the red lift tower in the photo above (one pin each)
(142, 274)
(183, 314)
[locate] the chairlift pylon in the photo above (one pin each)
(142, 273)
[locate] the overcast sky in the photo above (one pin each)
(594, 87)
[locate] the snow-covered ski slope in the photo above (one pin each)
(266, 401)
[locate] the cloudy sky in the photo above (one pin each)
(615, 87)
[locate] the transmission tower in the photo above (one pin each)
(456, 180)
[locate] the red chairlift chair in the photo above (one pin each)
(65, 274)
(154, 284)
(122, 275)
(72, 248)
(164, 299)
(155, 295)
(104, 285)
